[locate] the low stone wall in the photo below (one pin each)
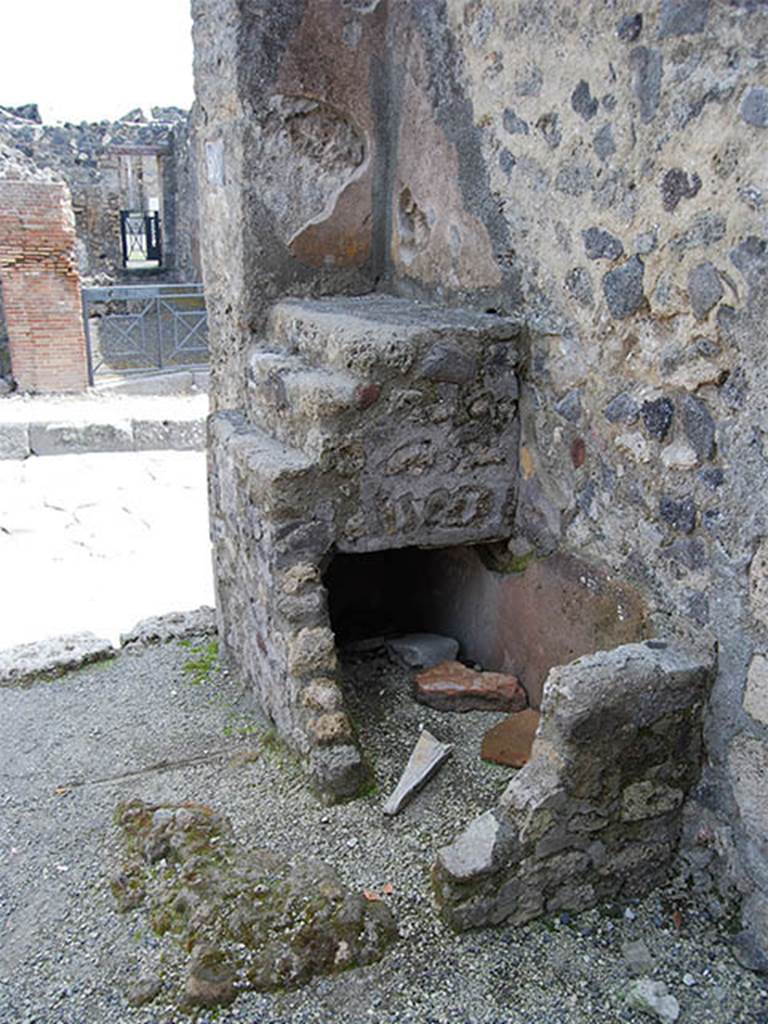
(597, 811)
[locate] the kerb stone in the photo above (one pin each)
(27, 662)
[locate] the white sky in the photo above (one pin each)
(94, 60)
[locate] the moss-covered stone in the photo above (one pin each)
(248, 919)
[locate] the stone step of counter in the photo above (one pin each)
(304, 406)
(382, 337)
(279, 475)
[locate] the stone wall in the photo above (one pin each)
(287, 132)
(615, 159)
(597, 170)
(597, 811)
(100, 164)
(91, 159)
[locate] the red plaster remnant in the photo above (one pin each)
(41, 287)
(316, 66)
(368, 395)
(343, 238)
(451, 686)
(578, 452)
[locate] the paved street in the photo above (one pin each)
(99, 541)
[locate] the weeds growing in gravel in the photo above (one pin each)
(240, 724)
(203, 662)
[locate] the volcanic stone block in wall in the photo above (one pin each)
(596, 813)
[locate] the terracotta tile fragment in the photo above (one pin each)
(510, 741)
(451, 686)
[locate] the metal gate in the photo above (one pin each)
(133, 329)
(140, 236)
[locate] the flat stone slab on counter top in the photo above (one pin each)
(451, 686)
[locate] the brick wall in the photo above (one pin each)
(41, 287)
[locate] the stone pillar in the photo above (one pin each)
(41, 287)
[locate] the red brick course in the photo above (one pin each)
(41, 287)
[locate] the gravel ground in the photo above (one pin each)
(142, 726)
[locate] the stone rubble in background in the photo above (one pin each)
(161, 629)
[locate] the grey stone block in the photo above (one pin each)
(422, 650)
(600, 244)
(177, 435)
(682, 17)
(14, 441)
(623, 288)
(51, 657)
(76, 438)
(338, 772)
(647, 67)
(704, 289)
(472, 856)
(754, 106)
(159, 629)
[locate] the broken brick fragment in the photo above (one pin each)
(451, 686)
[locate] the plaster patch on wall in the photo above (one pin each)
(309, 153)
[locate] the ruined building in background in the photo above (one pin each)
(487, 292)
(133, 208)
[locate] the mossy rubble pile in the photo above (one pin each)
(247, 918)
